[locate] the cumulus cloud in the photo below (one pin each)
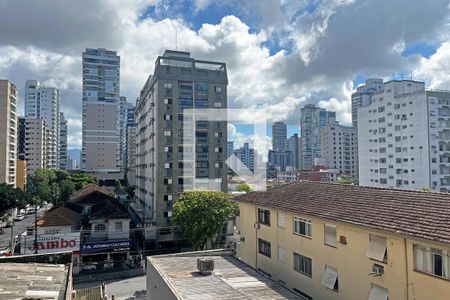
(280, 55)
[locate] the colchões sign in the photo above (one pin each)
(105, 246)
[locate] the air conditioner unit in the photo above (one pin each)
(377, 270)
(205, 265)
(256, 225)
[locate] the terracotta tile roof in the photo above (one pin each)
(88, 189)
(60, 216)
(424, 215)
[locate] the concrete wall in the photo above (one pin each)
(157, 287)
(350, 260)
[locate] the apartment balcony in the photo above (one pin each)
(444, 111)
(444, 135)
(444, 169)
(444, 122)
(444, 158)
(444, 147)
(445, 182)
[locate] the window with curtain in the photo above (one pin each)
(303, 264)
(432, 261)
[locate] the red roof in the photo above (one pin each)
(60, 216)
(424, 215)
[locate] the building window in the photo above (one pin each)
(118, 226)
(167, 133)
(302, 227)
(378, 292)
(330, 278)
(377, 248)
(264, 247)
(432, 261)
(281, 220)
(100, 227)
(303, 264)
(330, 235)
(282, 254)
(264, 216)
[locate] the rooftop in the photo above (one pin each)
(424, 215)
(231, 279)
(32, 281)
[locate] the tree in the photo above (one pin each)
(131, 191)
(345, 180)
(202, 214)
(271, 173)
(66, 188)
(81, 180)
(244, 187)
(11, 197)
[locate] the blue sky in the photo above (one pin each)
(280, 54)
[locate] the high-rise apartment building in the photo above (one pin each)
(21, 137)
(166, 149)
(101, 94)
(363, 96)
(62, 141)
(230, 148)
(404, 137)
(124, 116)
(9, 105)
(130, 145)
(38, 145)
(44, 103)
(279, 136)
(312, 119)
(339, 149)
(247, 156)
(294, 145)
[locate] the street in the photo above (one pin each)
(123, 289)
(19, 227)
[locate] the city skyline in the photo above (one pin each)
(288, 45)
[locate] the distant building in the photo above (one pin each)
(62, 142)
(71, 164)
(247, 156)
(281, 160)
(403, 137)
(21, 174)
(38, 145)
(42, 102)
(229, 279)
(164, 155)
(279, 136)
(230, 148)
(101, 145)
(294, 144)
(346, 242)
(339, 149)
(9, 104)
(312, 120)
(316, 173)
(363, 96)
(21, 137)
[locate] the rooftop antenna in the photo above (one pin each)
(176, 38)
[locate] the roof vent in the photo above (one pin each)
(205, 265)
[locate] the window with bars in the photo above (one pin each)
(264, 247)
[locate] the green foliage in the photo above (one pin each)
(131, 191)
(202, 214)
(244, 187)
(271, 173)
(81, 180)
(11, 197)
(345, 180)
(67, 187)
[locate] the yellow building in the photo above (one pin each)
(329, 241)
(21, 174)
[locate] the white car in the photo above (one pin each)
(20, 217)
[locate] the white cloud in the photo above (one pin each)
(342, 106)
(435, 71)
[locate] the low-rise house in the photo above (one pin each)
(331, 241)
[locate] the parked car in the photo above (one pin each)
(19, 217)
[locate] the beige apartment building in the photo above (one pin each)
(9, 101)
(21, 174)
(328, 241)
(38, 145)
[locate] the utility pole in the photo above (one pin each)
(13, 242)
(35, 227)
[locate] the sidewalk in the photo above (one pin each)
(107, 275)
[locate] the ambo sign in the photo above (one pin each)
(105, 246)
(49, 243)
